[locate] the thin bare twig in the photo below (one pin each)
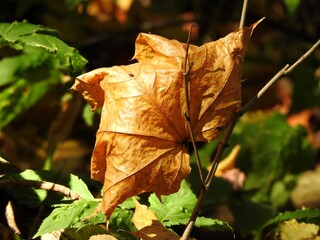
(303, 57)
(187, 112)
(243, 13)
(224, 141)
(50, 186)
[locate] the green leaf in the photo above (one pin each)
(72, 181)
(13, 68)
(78, 186)
(78, 215)
(120, 221)
(129, 203)
(176, 208)
(26, 79)
(21, 34)
(88, 115)
(292, 5)
(280, 194)
(35, 197)
(298, 214)
(67, 215)
(213, 224)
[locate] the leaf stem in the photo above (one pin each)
(187, 112)
(224, 141)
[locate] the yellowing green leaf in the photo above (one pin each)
(293, 230)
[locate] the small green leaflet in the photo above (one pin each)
(176, 209)
(21, 34)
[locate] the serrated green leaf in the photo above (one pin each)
(28, 77)
(13, 31)
(298, 214)
(21, 34)
(67, 215)
(77, 185)
(176, 208)
(213, 224)
(120, 222)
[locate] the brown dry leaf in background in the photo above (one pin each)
(140, 144)
(149, 226)
(228, 162)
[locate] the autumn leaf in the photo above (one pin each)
(149, 226)
(290, 230)
(140, 144)
(229, 162)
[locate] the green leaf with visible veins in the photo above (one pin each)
(67, 215)
(27, 77)
(21, 34)
(176, 209)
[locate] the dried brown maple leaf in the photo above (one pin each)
(140, 144)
